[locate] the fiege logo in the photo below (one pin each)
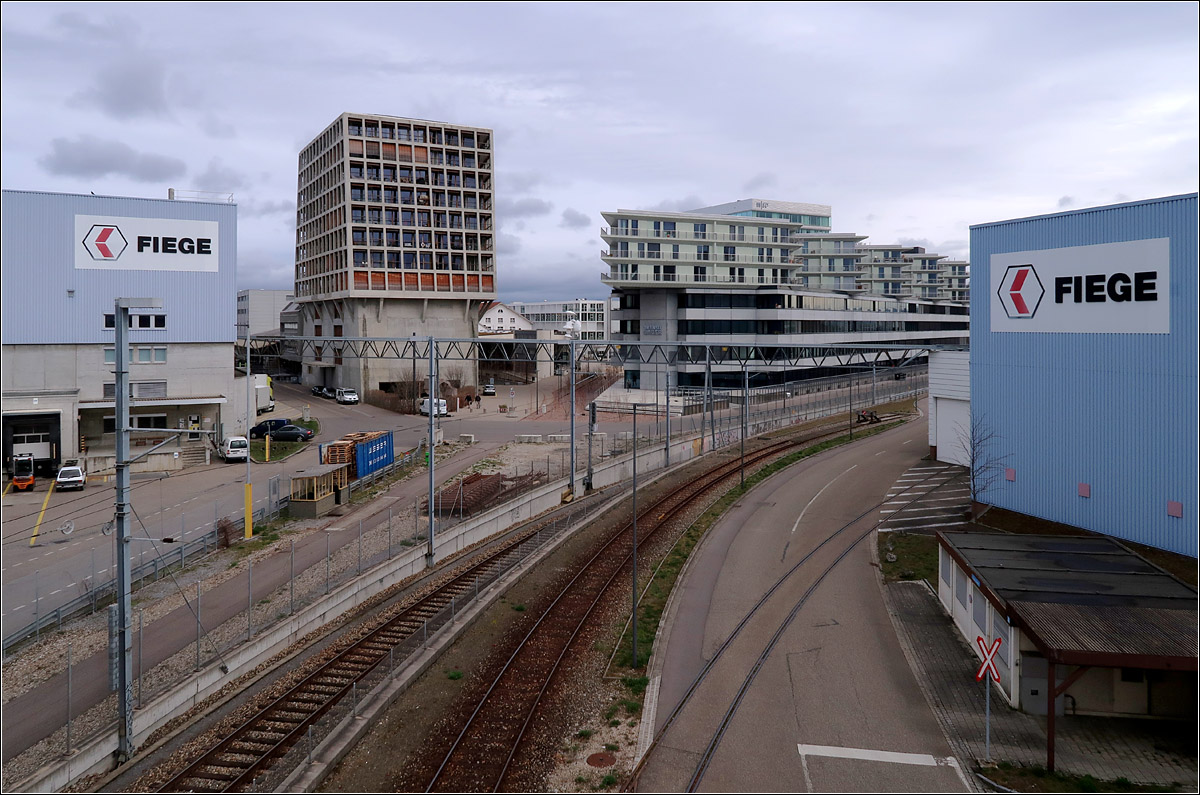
(105, 242)
(1020, 291)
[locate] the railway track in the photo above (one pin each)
(484, 756)
(234, 762)
(723, 716)
(248, 753)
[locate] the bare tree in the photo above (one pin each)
(980, 447)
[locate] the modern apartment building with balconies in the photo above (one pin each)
(757, 273)
(394, 238)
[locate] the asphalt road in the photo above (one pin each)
(834, 706)
(44, 568)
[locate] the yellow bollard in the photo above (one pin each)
(249, 511)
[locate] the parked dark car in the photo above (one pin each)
(318, 391)
(267, 426)
(291, 433)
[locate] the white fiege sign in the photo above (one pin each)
(1110, 288)
(145, 244)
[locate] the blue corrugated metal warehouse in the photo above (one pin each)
(66, 259)
(1083, 369)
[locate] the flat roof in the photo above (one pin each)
(1083, 600)
(1081, 570)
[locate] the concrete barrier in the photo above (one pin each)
(466, 438)
(529, 438)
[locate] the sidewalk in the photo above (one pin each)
(1143, 751)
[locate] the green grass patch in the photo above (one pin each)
(916, 556)
(583, 734)
(454, 675)
(519, 608)
(1037, 779)
(281, 450)
(654, 599)
(608, 781)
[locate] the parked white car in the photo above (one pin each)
(441, 407)
(234, 448)
(346, 395)
(70, 476)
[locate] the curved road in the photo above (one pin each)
(835, 706)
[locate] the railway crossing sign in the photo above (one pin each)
(989, 660)
(512, 392)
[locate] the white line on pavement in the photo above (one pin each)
(896, 757)
(907, 529)
(814, 499)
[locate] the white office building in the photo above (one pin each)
(591, 315)
(759, 275)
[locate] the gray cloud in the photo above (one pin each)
(216, 127)
(573, 219)
(759, 181)
(129, 88)
(219, 178)
(90, 157)
(522, 208)
(1066, 201)
(253, 209)
(507, 244)
(689, 202)
(519, 182)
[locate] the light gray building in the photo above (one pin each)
(262, 308)
(394, 238)
(554, 315)
(66, 259)
(758, 275)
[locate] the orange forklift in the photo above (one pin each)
(22, 471)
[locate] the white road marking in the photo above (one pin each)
(814, 499)
(19, 607)
(895, 757)
(907, 529)
(906, 441)
(54, 592)
(881, 452)
(866, 754)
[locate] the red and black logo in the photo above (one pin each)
(104, 242)
(1020, 291)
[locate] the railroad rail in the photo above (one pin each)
(235, 761)
(705, 755)
(481, 758)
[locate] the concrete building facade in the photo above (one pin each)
(554, 315)
(262, 309)
(395, 237)
(66, 259)
(758, 274)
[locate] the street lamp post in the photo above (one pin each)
(635, 593)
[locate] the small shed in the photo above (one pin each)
(316, 490)
(1087, 627)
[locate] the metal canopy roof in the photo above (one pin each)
(1129, 637)
(1083, 600)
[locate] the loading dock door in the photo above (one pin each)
(953, 430)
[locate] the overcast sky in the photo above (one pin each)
(912, 121)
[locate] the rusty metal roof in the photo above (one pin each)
(1131, 637)
(1083, 600)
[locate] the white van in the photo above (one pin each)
(441, 407)
(346, 395)
(234, 448)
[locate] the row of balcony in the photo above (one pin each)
(683, 234)
(845, 285)
(418, 136)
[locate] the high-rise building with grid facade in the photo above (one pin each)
(395, 237)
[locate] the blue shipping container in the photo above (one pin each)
(374, 455)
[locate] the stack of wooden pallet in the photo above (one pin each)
(342, 451)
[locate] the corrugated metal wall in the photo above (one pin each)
(1116, 412)
(39, 270)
